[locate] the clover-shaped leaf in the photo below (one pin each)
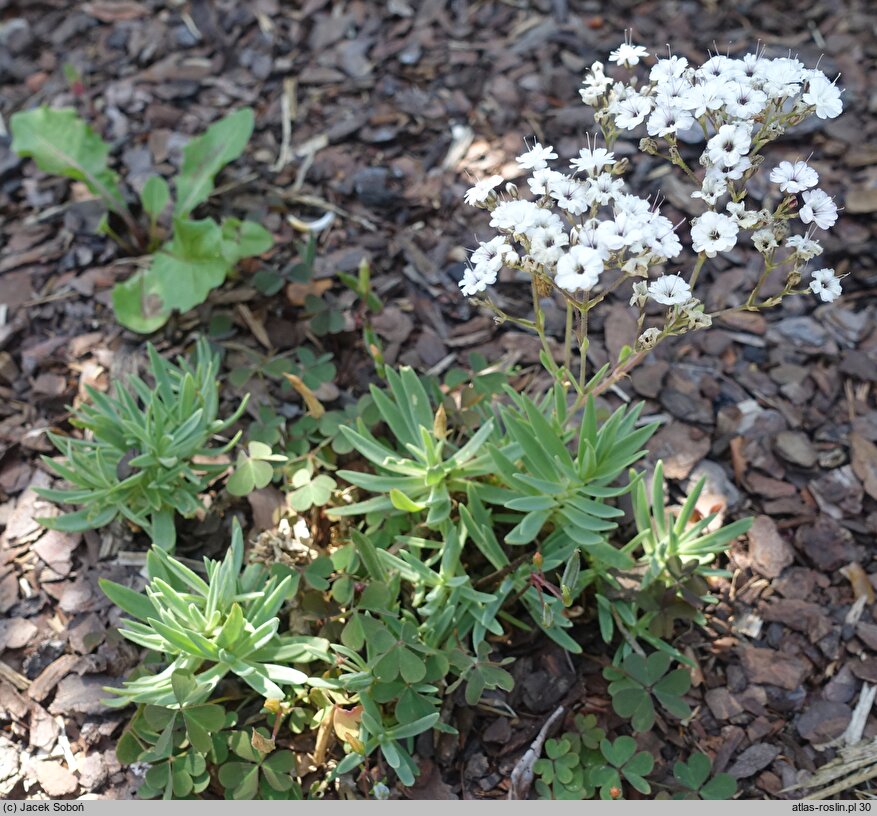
(258, 771)
(638, 679)
(693, 775)
(310, 491)
(253, 470)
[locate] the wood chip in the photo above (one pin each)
(51, 676)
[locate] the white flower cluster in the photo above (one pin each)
(581, 223)
(562, 232)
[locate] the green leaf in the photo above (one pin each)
(414, 728)
(184, 685)
(722, 786)
(277, 769)
(402, 502)
(693, 773)
(207, 154)
(128, 748)
(251, 472)
(79, 521)
(241, 779)
(528, 528)
(244, 239)
(182, 274)
(60, 142)
(155, 196)
(656, 667)
(315, 492)
(412, 668)
(134, 603)
(618, 752)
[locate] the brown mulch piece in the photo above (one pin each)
(396, 106)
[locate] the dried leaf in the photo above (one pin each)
(315, 407)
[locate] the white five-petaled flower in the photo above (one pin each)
(819, 209)
(631, 111)
(764, 240)
(713, 232)
(536, 157)
(824, 96)
(729, 145)
(628, 54)
(570, 194)
(667, 119)
(547, 245)
(541, 180)
(592, 161)
(794, 178)
(493, 254)
(712, 189)
(703, 97)
(825, 284)
(804, 246)
(742, 217)
(515, 215)
(671, 290)
(743, 101)
(481, 190)
(666, 69)
(580, 268)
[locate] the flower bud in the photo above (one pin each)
(649, 146)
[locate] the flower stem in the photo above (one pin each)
(701, 259)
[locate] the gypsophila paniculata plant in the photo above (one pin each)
(582, 234)
(144, 453)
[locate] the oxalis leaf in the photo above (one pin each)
(207, 154)
(60, 142)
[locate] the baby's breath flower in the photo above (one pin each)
(541, 180)
(743, 101)
(712, 189)
(592, 161)
(804, 247)
(825, 284)
(667, 119)
(713, 233)
(704, 97)
(536, 157)
(570, 194)
(671, 290)
(514, 216)
(794, 178)
(764, 240)
(630, 111)
(824, 96)
(481, 190)
(628, 54)
(745, 219)
(666, 69)
(729, 145)
(547, 245)
(580, 268)
(819, 208)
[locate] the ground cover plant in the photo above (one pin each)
(431, 531)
